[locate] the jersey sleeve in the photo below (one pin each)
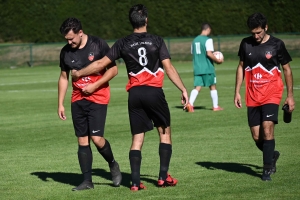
(62, 64)
(163, 51)
(283, 55)
(115, 51)
(209, 45)
(241, 53)
(105, 49)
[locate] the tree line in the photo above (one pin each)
(38, 21)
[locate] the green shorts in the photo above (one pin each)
(205, 80)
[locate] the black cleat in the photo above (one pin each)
(116, 174)
(266, 175)
(275, 158)
(85, 185)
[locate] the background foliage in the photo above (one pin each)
(39, 21)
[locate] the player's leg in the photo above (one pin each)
(194, 93)
(165, 153)
(96, 119)
(85, 156)
(139, 124)
(211, 80)
(269, 118)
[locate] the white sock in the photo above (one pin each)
(194, 94)
(214, 97)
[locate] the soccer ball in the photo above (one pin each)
(219, 55)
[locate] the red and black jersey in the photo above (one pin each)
(262, 70)
(142, 54)
(71, 58)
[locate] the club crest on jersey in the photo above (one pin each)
(91, 56)
(268, 54)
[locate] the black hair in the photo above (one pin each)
(257, 20)
(137, 15)
(205, 26)
(70, 24)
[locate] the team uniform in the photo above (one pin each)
(264, 86)
(204, 70)
(88, 110)
(142, 54)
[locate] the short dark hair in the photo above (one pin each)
(70, 24)
(205, 26)
(257, 20)
(137, 15)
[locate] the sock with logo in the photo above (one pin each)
(135, 158)
(107, 153)
(165, 153)
(85, 159)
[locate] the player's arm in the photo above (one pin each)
(92, 68)
(289, 86)
(175, 78)
(238, 84)
(213, 57)
(110, 73)
(62, 90)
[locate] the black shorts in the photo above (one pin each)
(147, 106)
(259, 114)
(88, 118)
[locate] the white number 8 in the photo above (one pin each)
(142, 59)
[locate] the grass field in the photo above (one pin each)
(214, 156)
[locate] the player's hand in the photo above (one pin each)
(89, 89)
(61, 113)
(291, 102)
(75, 75)
(184, 99)
(237, 101)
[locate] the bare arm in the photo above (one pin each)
(238, 83)
(92, 68)
(108, 75)
(62, 90)
(175, 78)
(289, 86)
(213, 57)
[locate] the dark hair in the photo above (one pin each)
(205, 26)
(256, 20)
(137, 15)
(70, 24)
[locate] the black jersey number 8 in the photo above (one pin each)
(142, 59)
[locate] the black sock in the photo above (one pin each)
(85, 159)
(135, 158)
(268, 153)
(260, 144)
(106, 153)
(165, 152)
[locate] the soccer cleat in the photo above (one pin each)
(275, 158)
(266, 174)
(85, 185)
(168, 182)
(217, 108)
(136, 188)
(189, 108)
(116, 174)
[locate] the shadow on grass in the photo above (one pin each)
(195, 108)
(233, 167)
(75, 179)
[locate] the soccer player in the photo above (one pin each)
(260, 58)
(89, 106)
(146, 57)
(204, 71)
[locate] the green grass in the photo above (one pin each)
(214, 156)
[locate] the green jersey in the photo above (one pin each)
(202, 64)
